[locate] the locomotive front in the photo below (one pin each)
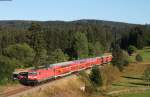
(29, 78)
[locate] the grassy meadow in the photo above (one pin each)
(145, 53)
(137, 94)
(131, 77)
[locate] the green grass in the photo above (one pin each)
(128, 82)
(131, 82)
(139, 94)
(145, 52)
(131, 77)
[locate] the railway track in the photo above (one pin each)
(12, 92)
(29, 89)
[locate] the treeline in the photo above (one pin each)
(60, 34)
(33, 43)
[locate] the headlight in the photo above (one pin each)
(35, 77)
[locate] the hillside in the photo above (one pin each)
(21, 24)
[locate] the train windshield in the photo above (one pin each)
(23, 73)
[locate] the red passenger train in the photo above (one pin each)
(61, 69)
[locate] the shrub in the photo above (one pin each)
(120, 58)
(139, 58)
(131, 49)
(93, 81)
(96, 77)
(84, 77)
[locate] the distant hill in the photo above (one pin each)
(21, 24)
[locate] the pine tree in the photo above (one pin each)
(91, 49)
(38, 44)
(80, 45)
(99, 49)
(140, 41)
(57, 56)
(95, 49)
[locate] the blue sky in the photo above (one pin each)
(131, 11)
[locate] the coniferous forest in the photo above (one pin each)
(34, 43)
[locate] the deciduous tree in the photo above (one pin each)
(7, 66)
(21, 52)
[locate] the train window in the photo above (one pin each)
(82, 61)
(32, 73)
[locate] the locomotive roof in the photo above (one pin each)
(70, 62)
(17, 71)
(61, 64)
(83, 60)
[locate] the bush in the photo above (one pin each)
(93, 81)
(84, 77)
(139, 58)
(120, 58)
(131, 49)
(96, 77)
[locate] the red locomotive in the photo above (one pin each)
(61, 69)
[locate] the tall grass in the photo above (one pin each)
(70, 88)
